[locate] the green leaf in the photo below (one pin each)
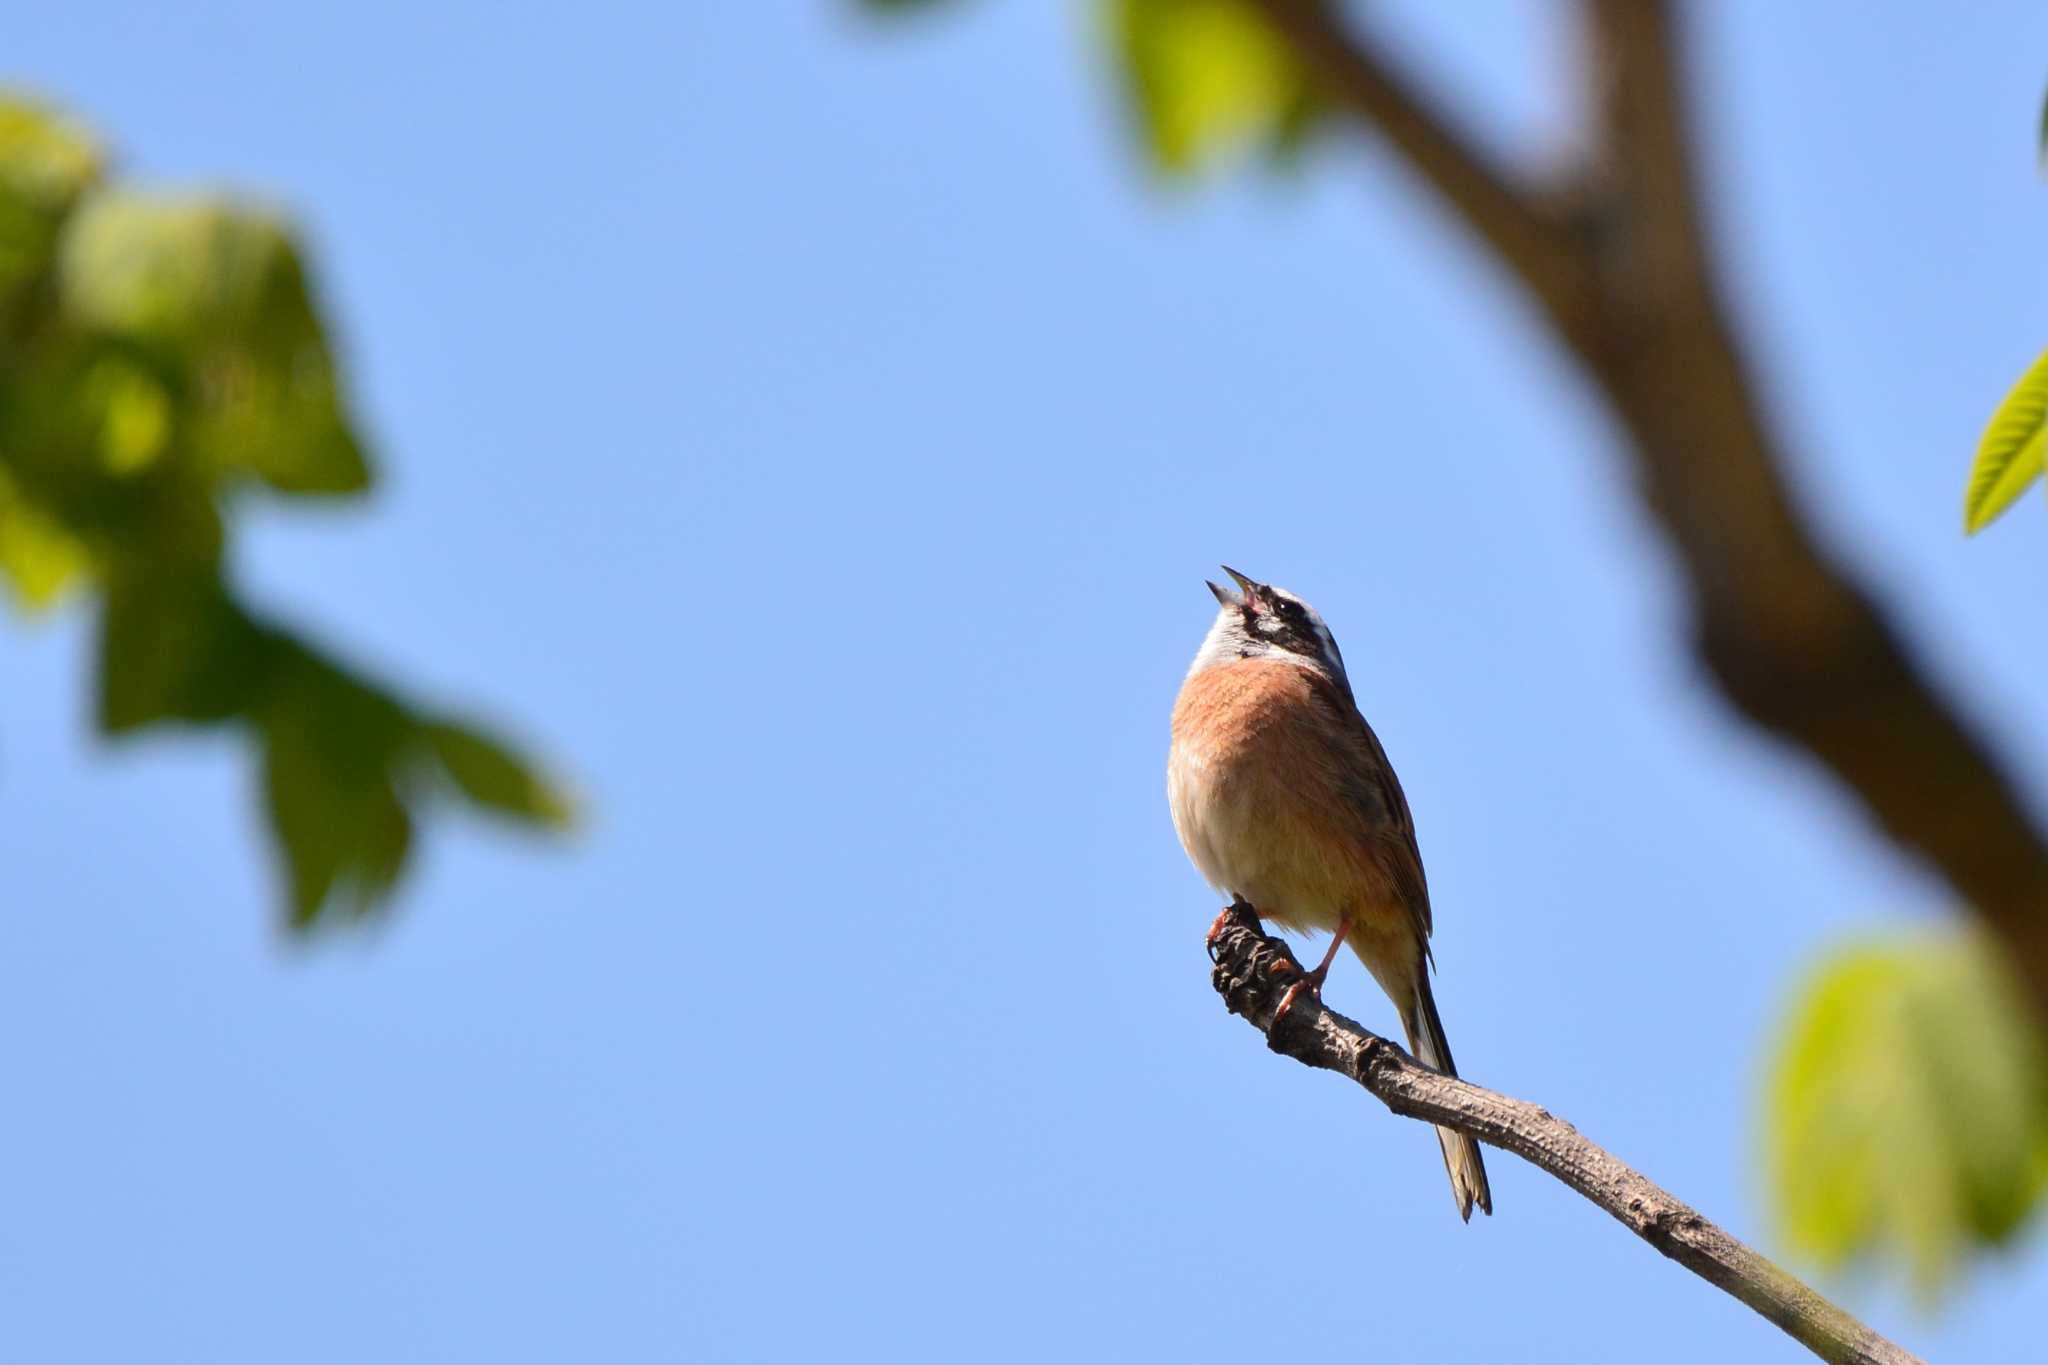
(46, 163)
(43, 156)
(135, 427)
(1209, 79)
(346, 768)
(494, 777)
(90, 434)
(1907, 1114)
(2009, 457)
(174, 646)
(39, 558)
(157, 354)
(336, 753)
(216, 293)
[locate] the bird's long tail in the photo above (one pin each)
(1461, 1154)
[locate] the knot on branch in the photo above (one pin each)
(1660, 1219)
(1252, 968)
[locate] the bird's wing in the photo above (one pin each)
(1375, 796)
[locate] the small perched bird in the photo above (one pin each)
(1283, 797)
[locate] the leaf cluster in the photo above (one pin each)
(163, 361)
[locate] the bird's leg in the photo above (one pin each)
(1312, 982)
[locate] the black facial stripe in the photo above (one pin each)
(1299, 639)
(1289, 629)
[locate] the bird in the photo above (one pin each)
(1284, 799)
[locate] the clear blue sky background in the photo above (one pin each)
(816, 437)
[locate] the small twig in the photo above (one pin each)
(1252, 971)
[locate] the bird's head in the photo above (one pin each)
(1260, 621)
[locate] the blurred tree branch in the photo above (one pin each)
(1251, 968)
(1618, 260)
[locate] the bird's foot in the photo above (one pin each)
(1310, 983)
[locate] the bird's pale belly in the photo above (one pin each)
(1252, 837)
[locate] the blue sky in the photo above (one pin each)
(815, 437)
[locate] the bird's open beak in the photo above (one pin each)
(1231, 599)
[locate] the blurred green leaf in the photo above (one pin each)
(173, 646)
(347, 770)
(216, 294)
(492, 776)
(335, 754)
(45, 164)
(136, 417)
(157, 352)
(1906, 1115)
(38, 556)
(2009, 457)
(1208, 79)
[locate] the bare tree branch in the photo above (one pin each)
(1251, 972)
(1625, 278)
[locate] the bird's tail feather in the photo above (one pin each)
(1461, 1154)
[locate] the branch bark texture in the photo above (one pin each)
(1252, 971)
(1618, 261)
